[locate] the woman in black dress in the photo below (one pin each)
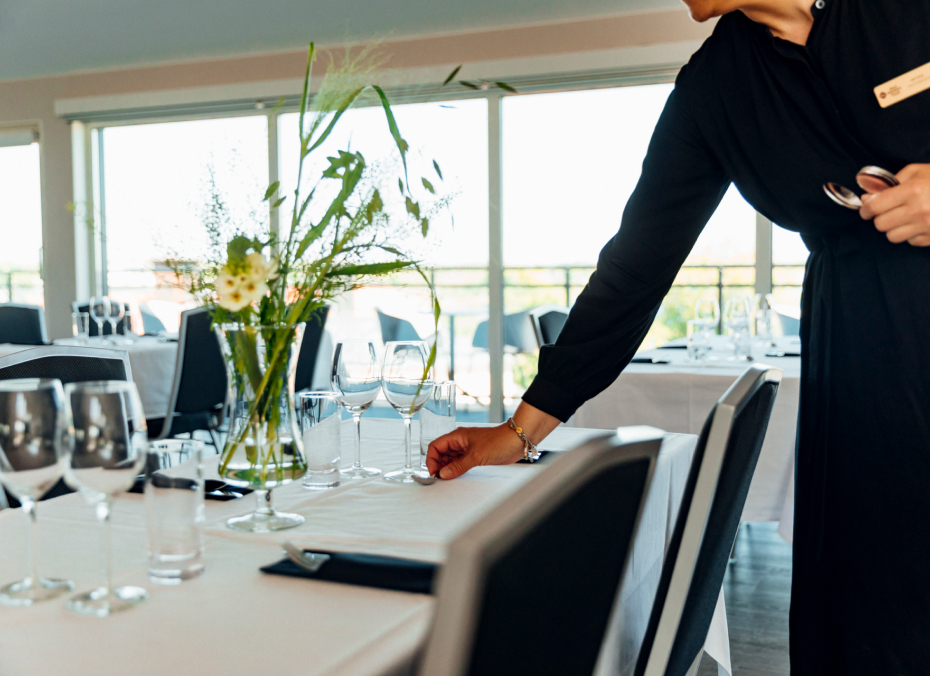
(782, 98)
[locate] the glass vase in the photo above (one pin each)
(263, 448)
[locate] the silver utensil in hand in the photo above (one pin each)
(309, 561)
(425, 480)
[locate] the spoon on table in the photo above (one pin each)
(425, 480)
(311, 562)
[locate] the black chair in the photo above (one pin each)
(70, 365)
(518, 334)
(395, 328)
(548, 321)
(199, 388)
(22, 324)
(529, 588)
(314, 324)
(708, 519)
(122, 326)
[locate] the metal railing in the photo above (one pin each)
(13, 280)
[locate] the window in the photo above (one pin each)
(157, 182)
(20, 220)
(789, 256)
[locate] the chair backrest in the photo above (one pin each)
(151, 325)
(518, 333)
(395, 328)
(22, 324)
(696, 561)
(309, 349)
(548, 321)
(200, 371)
(122, 326)
(530, 587)
(70, 364)
(789, 325)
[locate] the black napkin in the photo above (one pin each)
(542, 455)
(213, 489)
(649, 360)
(365, 570)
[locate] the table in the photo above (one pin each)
(677, 397)
(236, 619)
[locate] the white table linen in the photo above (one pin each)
(234, 618)
(677, 397)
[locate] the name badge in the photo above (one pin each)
(903, 86)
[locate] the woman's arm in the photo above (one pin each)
(680, 187)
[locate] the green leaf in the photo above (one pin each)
(413, 208)
(237, 247)
(400, 185)
(428, 186)
(272, 189)
(392, 125)
(506, 87)
(368, 269)
(279, 202)
(469, 85)
(438, 172)
(452, 75)
(424, 225)
(305, 96)
(338, 114)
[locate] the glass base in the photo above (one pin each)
(25, 593)
(404, 476)
(102, 602)
(265, 522)
(359, 473)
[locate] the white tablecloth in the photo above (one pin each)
(238, 620)
(677, 397)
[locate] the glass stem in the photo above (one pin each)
(265, 506)
(357, 417)
(32, 543)
(409, 465)
(103, 514)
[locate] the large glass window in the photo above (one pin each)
(571, 162)
(454, 134)
(789, 256)
(159, 182)
(21, 225)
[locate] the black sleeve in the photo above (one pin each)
(680, 187)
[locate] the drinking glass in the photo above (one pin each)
(80, 326)
(437, 417)
(707, 310)
(737, 312)
(407, 384)
(320, 424)
(698, 340)
(174, 510)
(115, 316)
(764, 314)
(357, 382)
(34, 447)
(110, 445)
(100, 312)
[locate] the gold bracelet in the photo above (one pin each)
(530, 452)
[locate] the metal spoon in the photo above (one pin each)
(425, 480)
(310, 562)
(873, 179)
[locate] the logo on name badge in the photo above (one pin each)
(903, 86)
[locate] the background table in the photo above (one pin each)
(677, 397)
(236, 619)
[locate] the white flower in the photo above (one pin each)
(260, 268)
(226, 283)
(234, 301)
(254, 289)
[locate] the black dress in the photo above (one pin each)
(779, 120)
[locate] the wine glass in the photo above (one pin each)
(707, 310)
(737, 313)
(34, 447)
(115, 316)
(407, 383)
(110, 445)
(100, 312)
(357, 380)
(763, 313)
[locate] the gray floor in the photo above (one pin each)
(757, 589)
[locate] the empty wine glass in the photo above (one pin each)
(737, 313)
(34, 447)
(110, 444)
(357, 380)
(100, 312)
(707, 310)
(407, 383)
(115, 316)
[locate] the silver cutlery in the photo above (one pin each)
(425, 480)
(309, 561)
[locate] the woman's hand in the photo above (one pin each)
(902, 212)
(452, 455)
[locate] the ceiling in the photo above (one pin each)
(51, 37)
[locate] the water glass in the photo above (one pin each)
(80, 326)
(437, 417)
(699, 332)
(34, 447)
(320, 424)
(174, 510)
